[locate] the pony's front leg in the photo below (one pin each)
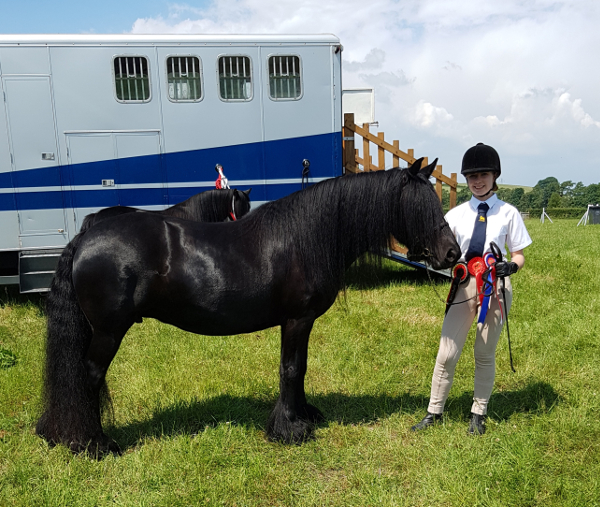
(292, 419)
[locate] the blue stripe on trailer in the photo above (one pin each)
(268, 167)
(130, 196)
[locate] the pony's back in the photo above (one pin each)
(103, 214)
(208, 206)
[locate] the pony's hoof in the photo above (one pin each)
(292, 429)
(295, 432)
(96, 449)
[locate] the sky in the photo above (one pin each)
(520, 75)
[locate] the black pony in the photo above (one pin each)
(282, 265)
(209, 206)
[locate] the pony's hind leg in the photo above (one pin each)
(102, 350)
(292, 419)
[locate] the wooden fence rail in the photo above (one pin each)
(352, 162)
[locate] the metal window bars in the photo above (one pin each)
(132, 81)
(284, 77)
(235, 78)
(184, 78)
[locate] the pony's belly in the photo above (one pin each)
(220, 327)
(198, 320)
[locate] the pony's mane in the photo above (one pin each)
(332, 223)
(207, 206)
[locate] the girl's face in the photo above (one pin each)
(480, 184)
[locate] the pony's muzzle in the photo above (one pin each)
(452, 256)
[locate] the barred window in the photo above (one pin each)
(235, 78)
(132, 81)
(284, 77)
(184, 78)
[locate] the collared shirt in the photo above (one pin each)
(505, 226)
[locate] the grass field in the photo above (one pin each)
(189, 411)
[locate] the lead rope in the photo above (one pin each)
(507, 328)
(427, 254)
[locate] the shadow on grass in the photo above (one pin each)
(195, 416)
(533, 398)
(372, 275)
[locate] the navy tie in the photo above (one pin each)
(477, 244)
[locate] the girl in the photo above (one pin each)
(495, 221)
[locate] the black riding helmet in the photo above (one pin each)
(481, 158)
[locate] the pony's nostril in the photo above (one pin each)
(453, 255)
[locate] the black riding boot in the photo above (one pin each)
(477, 424)
(428, 420)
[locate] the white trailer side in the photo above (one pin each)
(91, 121)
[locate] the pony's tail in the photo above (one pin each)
(70, 414)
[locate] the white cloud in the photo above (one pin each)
(521, 76)
(373, 60)
(573, 108)
(427, 115)
(552, 109)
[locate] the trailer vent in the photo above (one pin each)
(235, 78)
(183, 76)
(284, 77)
(132, 81)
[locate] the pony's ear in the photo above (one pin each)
(416, 167)
(429, 169)
(247, 192)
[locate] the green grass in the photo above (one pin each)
(189, 411)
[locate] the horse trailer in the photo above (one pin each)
(92, 121)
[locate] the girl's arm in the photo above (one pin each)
(518, 258)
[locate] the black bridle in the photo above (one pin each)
(425, 253)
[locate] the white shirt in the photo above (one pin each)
(505, 226)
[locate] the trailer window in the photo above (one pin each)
(184, 78)
(235, 78)
(132, 81)
(284, 77)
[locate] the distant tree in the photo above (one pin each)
(504, 194)
(554, 201)
(463, 195)
(592, 194)
(543, 190)
(566, 201)
(566, 188)
(525, 202)
(515, 196)
(578, 195)
(536, 198)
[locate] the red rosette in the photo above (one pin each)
(476, 266)
(460, 272)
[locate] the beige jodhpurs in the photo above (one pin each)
(454, 334)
